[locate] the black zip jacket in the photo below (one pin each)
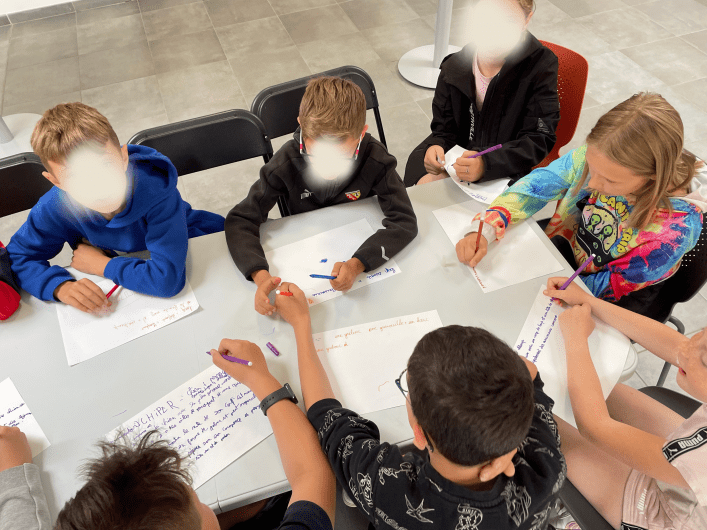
(521, 111)
(284, 176)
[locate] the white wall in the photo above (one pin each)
(11, 6)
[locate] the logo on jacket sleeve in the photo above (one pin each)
(353, 195)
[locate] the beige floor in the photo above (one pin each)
(149, 62)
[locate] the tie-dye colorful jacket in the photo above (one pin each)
(626, 259)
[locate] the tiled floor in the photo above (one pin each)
(149, 62)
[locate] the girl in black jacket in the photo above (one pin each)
(500, 89)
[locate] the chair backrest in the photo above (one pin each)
(571, 83)
(209, 141)
(21, 183)
(278, 106)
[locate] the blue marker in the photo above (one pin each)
(322, 276)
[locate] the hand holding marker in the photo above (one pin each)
(234, 359)
(576, 273)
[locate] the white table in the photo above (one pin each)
(77, 405)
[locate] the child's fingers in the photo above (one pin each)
(478, 256)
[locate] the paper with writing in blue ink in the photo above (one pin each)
(14, 412)
(212, 419)
(541, 341)
(296, 261)
(364, 361)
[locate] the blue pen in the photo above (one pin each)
(322, 276)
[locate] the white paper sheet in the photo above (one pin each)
(518, 257)
(541, 341)
(318, 254)
(348, 355)
(212, 418)
(132, 315)
(14, 412)
(485, 192)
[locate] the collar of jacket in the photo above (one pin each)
(457, 67)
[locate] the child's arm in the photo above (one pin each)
(444, 126)
(640, 450)
(306, 467)
(657, 338)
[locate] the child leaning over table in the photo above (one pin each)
(105, 198)
(493, 459)
(640, 464)
(330, 160)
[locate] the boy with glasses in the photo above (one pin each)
(330, 160)
(492, 458)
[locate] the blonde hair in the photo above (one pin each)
(332, 107)
(528, 6)
(67, 126)
(645, 135)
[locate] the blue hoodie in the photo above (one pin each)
(155, 218)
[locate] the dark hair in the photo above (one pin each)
(471, 393)
(138, 487)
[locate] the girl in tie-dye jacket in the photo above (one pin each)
(622, 197)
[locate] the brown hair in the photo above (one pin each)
(645, 135)
(332, 107)
(133, 488)
(68, 125)
(471, 393)
(528, 6)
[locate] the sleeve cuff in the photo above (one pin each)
(48, 293)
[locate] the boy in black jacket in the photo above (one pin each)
(331, 160)
(493, 457)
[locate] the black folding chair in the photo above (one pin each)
(21, 183)
(585, 515)
(278, 106)
(210, 141)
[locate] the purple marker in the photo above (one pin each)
(576, 273)
(272, 348)
(486, 151)
(234, 359)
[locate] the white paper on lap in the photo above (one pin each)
(14, 412)
(364, 361)
(518, 257)
(212, 419)
(318, 254)
(485, 192)
(541, 341)
(130, 316)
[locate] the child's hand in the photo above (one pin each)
(466, 249)
(469, 169)
(433, 156)
(248, 375)
(573, 295)
(577, 323)
(83, 294)
(14, 449)
(294, 309)
(265, 287)
(346, 274)
(89, 259)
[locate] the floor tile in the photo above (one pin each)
(587, 119)
(635, 381)
(694, 92)
(41, 12)
(673, 61)
(126, 129)
(11, 224)
(697, 146)
(677, 16)
(126, 101)
(614, 77)
(581, 8)
(221, 188)
(83, 5)
(205, 109)
(42, 48)
(317, 23)
(109, 34)
(405, 127)
(5, 32)
(102, 14)
(44, 25)
(626, 27)
(423, 7)
(697, 39)
(703, 292)
(256, 36)
(41, 105)
(153, 5)
(426, 106)
(179, 20)
(417, 92)
(283, 65)
(393, 41)
(693, 314)
(459, 28)
(573, 35)
(374, 13)
(4, 50)
(116, 65)
(227, 12)
(182, 51)
(197, 85)
(283, 7)
(341, 50)
(30, 83)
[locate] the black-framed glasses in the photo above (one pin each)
(403, 384)
(307, 155)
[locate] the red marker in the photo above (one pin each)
(284, 293)
(478, 236)
(112, 291)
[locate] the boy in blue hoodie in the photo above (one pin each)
(106, 199)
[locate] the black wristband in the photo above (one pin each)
(284, 393)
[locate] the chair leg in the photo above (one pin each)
(379, 124)
(676, 322)
(282, 206)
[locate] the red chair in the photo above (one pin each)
(571, 82)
